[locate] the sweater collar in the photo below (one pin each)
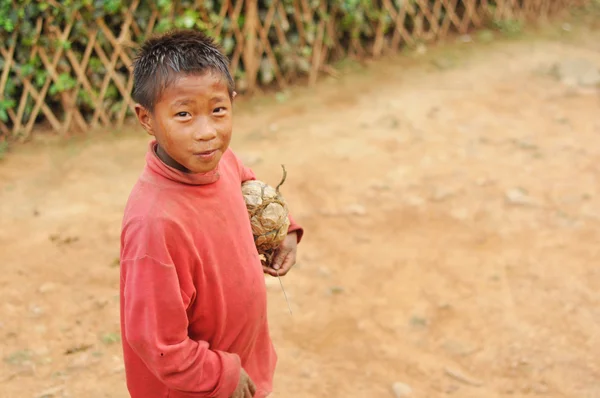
(157, 166)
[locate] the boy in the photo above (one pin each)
(193, 297)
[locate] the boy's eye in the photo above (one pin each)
(220, 109)
(182, 114)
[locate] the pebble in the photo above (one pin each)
(401, 390)
(442, 193)
(51, 392)
(47, 287)
(517, 196)
(356, 210)
(578, 72)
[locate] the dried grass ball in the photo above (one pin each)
(268, 212)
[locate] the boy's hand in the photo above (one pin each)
(285, 256)
(245, 387)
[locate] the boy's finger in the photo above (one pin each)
(252, 387)
(288, 263)
(269, 270)
(278, 259)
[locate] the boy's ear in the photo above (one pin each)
(144, 118)
(233, 95)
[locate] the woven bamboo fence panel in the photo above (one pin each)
(73, 74)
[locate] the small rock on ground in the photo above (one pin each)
(356, 210)
(401, 390)
(51, 392)
(578, 72)
(517, 196)
(47, 287)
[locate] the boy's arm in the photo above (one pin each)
(156, 325)
(248, 174)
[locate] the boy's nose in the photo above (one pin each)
(205, 132)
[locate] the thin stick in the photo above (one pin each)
(285, 295)
(282, 179)
(279, 277)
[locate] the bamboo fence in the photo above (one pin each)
(270, 42)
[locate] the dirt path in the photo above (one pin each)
(452, 208)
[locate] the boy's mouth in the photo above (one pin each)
(206, 154)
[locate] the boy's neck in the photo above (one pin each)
(168, 160)
(171, 172)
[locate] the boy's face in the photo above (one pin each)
(192, 122)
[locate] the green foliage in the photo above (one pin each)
(65, 82)
(3, 149)
(35, 29)
(111, 338)
(509, 27)
(5, 105)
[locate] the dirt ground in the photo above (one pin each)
(451, 201)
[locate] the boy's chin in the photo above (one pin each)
(203, 168)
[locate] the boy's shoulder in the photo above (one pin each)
(143, 205)
(231, 159)
(150, 221)
(148, 206)
(235, 161)
(154, 198)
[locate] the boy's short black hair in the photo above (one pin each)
(163, 57)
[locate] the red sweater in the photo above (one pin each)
(193, 297)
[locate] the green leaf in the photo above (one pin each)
(111, 338)
(7, 103)
(65, 82)
(3, 149)
(188, 20)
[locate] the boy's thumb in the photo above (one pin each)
(278, 259)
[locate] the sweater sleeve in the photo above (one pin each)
(156, 323)
(248, 174)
